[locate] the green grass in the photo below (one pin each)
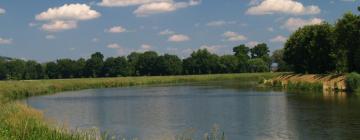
(18, 122)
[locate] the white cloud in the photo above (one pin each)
(114, 46)
(178, 38)
(283, 6)
(144, 48)
(278, 38)
(50, 37)
(32, 24)
(59, 25)
(123, 3)
(66, 16)
(116, 29)
(252, 44)
(233, 36)
(162, 7)
(295, 23)
(166, 32)
(5, 41)
(2, 11)
(219, 23)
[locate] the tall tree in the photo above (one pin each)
(347, 30)
(277, 57)
(202, 62)
(147, 62)
(114, 67)
(169, 65)
(311, 49)
(229, 64)
(93, 66)
(16, 69)
(133, 60)
(51, 70)
(242, 54)
(258, 65)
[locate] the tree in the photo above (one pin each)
(114, 67)
(277, 57)
(133, 60)
(3, 70)
(169, 65)
(32, 70)
(93, 66)
(79, 68)
(67, 68)
(201, 62)
(311, 49)
(242, 54)
(260, 51)
(147, 62)
(347, 31)
(229, 64)
(16, 69)
(51, 70)
(258, 65)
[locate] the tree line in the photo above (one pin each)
(150, 63)
(323, 48)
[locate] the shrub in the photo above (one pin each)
(353, 82)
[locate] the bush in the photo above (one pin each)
(353, 82)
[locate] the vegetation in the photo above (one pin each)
(148, 63)
(19, 122)
(353, 82)
(325, 48)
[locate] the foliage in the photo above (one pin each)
(258, 65)
(353, 82)
(277, 58)
(311, 49)
(201, 62)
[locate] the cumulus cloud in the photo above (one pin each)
(66, 16)
(114, 46)
(162, 7)
(144, 48)
(252, 43)
(2, 11)
(5, 41)
(59, 25)
(123, 3)
(233, 36)
(49, 37)
(294, 23)
(116, 29)
(179, 38)
(278, 38)
(283, 6)
(166, 32)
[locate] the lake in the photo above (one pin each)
(160, 112)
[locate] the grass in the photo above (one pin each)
(18, 122)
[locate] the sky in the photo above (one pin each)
(46, 30)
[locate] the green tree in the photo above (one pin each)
(79, 68)
(347, 31)
(242, 53)
(67, 68)
(147, 62)
(93, 66)
(260, 51)
(311, 49)
(32, 70)
(133, 60)
(114, 67)
(229, 64)
(258, 65)
(278, 58)
(201, 62)
(3, 70)
(169, 65)
(16, 69)
(51, 70)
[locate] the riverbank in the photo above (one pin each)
(309, 82)
(18, 121)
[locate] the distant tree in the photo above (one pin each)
(51, 70)
(260, 51)
(229, 64)
(93, 66)
(147, 62)
(311, 49)
(347, 31)
(79, 68)
(169, 65)
(31, 70)
(67, 68)
(114, 67)
(258, 65)
(3, 70)
(277, 58)
(242, 53)
(201, 62)
(16, 69)
(133, 60)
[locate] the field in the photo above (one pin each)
(18, 122)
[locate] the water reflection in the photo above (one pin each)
(162, 112)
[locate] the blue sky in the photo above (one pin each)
(77, 28)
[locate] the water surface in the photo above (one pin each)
(242, 112)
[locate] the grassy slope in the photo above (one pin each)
(19, 122)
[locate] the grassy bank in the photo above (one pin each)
(309, 82)
(18, 122)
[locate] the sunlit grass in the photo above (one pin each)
(19, 122)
